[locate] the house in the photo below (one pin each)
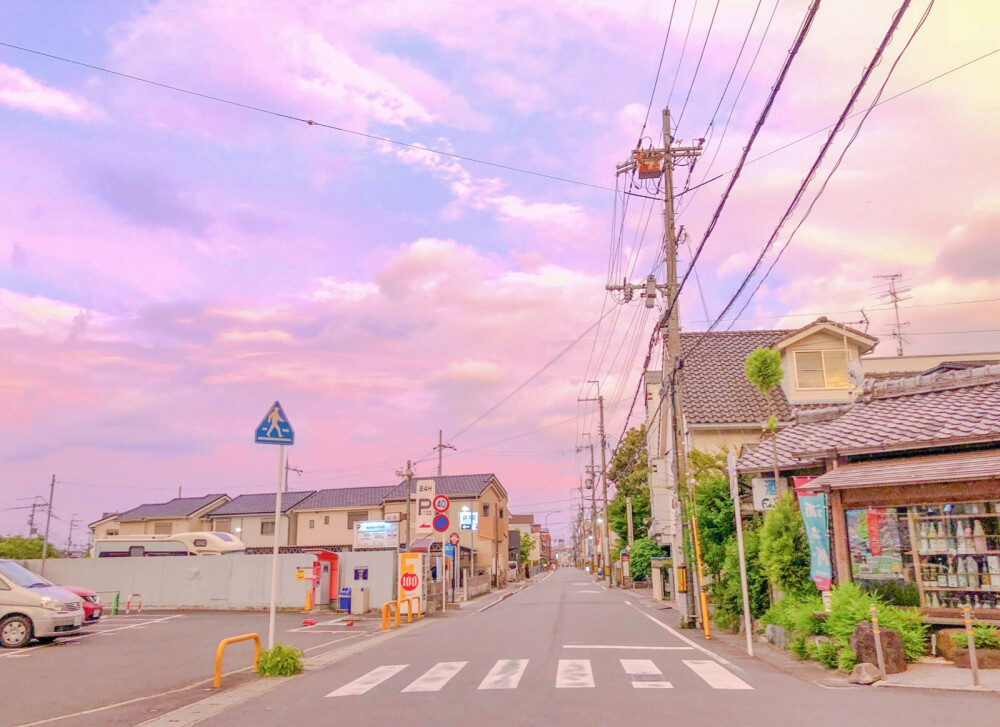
(251, 518)
(328, 517)
(523, 524)
(912, 473)
(480, 493)
(180, 515)
(722, 410)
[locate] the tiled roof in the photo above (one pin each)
(261, 504)
(935, 469)
(450, 485)
(942, 409)
(178, 507)
(522, 519)
(346, 497)
(714, 386)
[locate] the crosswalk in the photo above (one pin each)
(569, 674)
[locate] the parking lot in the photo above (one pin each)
(129, 668)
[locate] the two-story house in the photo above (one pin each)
(329, 517)
(251, 518)
(180, 515)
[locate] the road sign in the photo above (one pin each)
(468, 520)
(441, 503)
(441, 522)
(453, 538)
(425, 507)
(275, 428)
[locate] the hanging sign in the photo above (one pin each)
(815, 519)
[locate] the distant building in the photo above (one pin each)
(180, 515)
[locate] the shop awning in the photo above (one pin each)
(933, 469)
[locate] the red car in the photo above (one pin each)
(92, 608)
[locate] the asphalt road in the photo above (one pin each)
(143, 665)
(566, 651)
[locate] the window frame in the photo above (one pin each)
(823, 354)
(263, 524)
(158, 528)
(356, 516)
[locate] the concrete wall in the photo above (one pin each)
(214, 582)
(381, 565)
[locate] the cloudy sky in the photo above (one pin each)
(171, 264)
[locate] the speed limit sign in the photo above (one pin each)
(441, 503)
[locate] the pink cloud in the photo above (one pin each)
(20, 91)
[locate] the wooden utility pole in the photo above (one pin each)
(441, 447)
(48, 519)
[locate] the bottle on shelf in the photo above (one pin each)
(979, 537)
(963, 578)
(952, 575)
(972, 571)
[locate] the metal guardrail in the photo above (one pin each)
(128, 603)
(217, 680)
(396, 606)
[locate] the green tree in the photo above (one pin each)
(629, 471)
(18, 547)
(763, 370)
(638, 558)
(726, 591)
(716, 521)
(524, 554)
(784, 549)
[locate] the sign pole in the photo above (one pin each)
(444, 576)
(735, 493)
(274, 555)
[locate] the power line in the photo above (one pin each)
(697, 67)
(840, 158)
(659, 68)
(812, 171)
(310, 122)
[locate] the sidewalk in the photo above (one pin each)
(926, 674)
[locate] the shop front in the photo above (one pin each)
(924, 531)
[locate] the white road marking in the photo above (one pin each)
(505, 674)
(715, 675)
(644, 648)
(645, 675)
(682, 637)
(368, 681)
(434, 679)
(628, 602)
(574, 674)
(588, 591)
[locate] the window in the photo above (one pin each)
(163, 529)
(224, 524)
(821, 369)
(356, 516)
(486, 509)
(201, 542)
(136, 551)
(267, 527)
(312, 523)
(500, 512)
(326, 519)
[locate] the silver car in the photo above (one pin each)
(32, 607)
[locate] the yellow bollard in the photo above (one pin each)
(217, 681)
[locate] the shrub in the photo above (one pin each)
(280, 661)
(639, 556)
(795, 613)
(850, 606)
(798, 648)
(726, 591)
(983, 636)
(827, 653)
(784, 550)
(846, 659)
(893, 593)
(716, 521)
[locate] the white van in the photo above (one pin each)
(32, 607)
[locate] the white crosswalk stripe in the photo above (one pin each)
(436, 677)
(368, 681)
(645, 674)
(716, 675)
(574, 674)
(505, 674)
(570, 674)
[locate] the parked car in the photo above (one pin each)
(32, 607)
(92, 607)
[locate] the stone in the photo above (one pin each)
(776, 635)
(864, 673)
(985, 658)
(863, 644)
(948, 640)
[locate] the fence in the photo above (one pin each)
(479, 585)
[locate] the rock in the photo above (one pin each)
(863, 644)
(985, 658)
(948, 640)
(776, 635)
(864, 674)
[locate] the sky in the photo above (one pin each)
(171, 264)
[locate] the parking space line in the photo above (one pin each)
(21, 653)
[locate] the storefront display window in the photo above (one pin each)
(881, 557)
(958, 552)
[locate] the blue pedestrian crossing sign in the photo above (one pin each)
(275, 428)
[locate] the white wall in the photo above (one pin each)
(381, 583)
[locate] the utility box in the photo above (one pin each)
(344, 602)
(359, 601)
(325, 575)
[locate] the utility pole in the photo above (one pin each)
(48, 519)
(894, 295)
(289, 468)
(441, 447)
(628, 513)
(593, 501)
(606, 549)
(409, 487)
(32, 530)
(69, 541)
(659, 164)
